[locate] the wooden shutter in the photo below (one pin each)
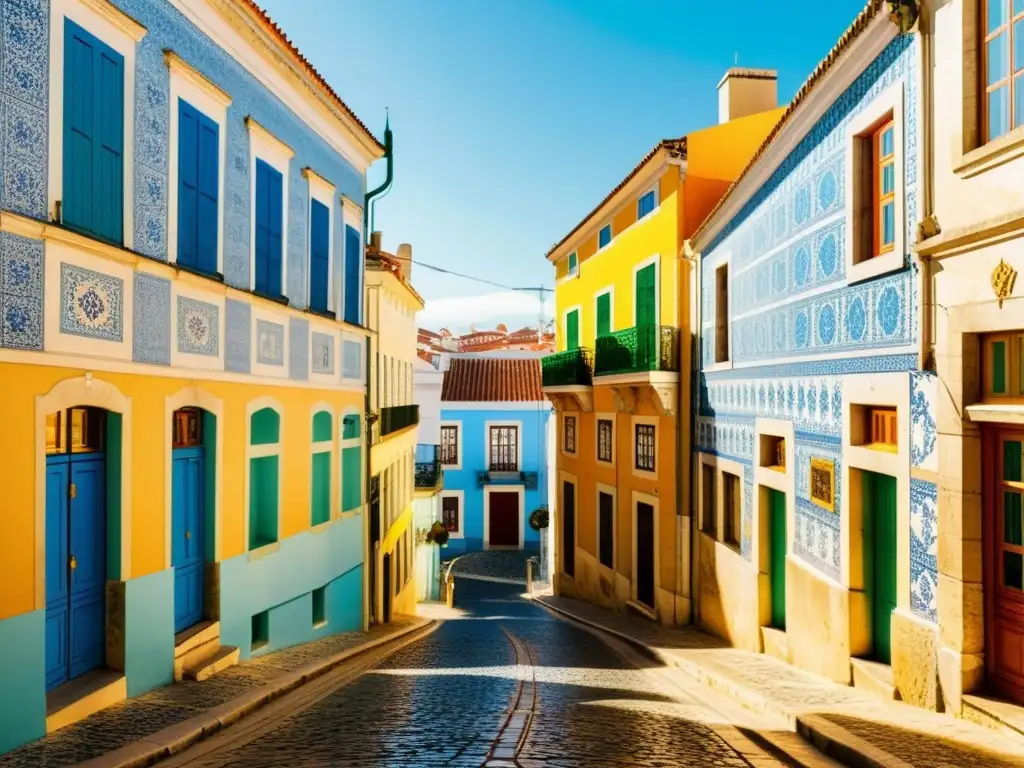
(604, 314)
(572, 330)
(188, 184)
(268, 229)
(262, 234)
(319, 255)
(353, 272)
(208, 194)
(645, 296)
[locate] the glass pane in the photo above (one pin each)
(998, 112)
(1018, 44)
(996, 14)
(887, 142)
(1011, 460)
(997, 58)
(1018, 97)
(998, 367)
(1018, 7)
(888, 179)
(888, 223)
(1011, 518)
(1013, 569)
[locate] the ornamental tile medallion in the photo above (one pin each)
(92, 304)
(269, 343)
(198, 327)
(323, 353)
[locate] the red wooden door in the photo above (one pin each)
(503, 520)
(1004, 561)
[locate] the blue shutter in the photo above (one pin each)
(93, 197)
(353, 275)
(209, 189)
(319, 255)
(262, 236)
(268, 229)
(276, 249)
(188, 184)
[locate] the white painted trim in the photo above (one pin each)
(858, 139)
(264, 146)
(611, 491)
(784, 482)
(489, 405)
(575, 434)
(323, 192)
(488, 425)
(520, 490)
(654, 421)
(69, 393)
(656, 261)
(460, 438)
(263, 451)
(612, 417)
(636, 497)
(578, 309)
(195, 397)
(122, 33)
(461, 496)
(192, 87)
(610, 290)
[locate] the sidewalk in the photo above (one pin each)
(847, 724)
(166, 720)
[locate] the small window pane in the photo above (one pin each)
(1011, 461)
(1020, 365)
(998, 112)
(1018, 96)
(1013, 569)
(1012, 518)
(999, 367)
(887, 142)
(997, 58)
(996, 14)
(605, 236)
(1018, 44)
(888, 223)
(888, 179)
(1018, 7)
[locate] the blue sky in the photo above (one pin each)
(513, 118)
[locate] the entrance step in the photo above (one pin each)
(84, 696)
(639, 609)
(874, 677)
(999, 714)
(195, 644)
(776, 644)
(225, 656)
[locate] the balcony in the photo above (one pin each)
(528, 479)
(574, 368)
(398, 417)
(640, 349)
(428, 468)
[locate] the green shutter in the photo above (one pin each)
(263, 498)
(880, 559)
(604, 314)
(572, 330)
(321, 497)
(351, 487)
(645, 296)
(999, 367)
(777, 548)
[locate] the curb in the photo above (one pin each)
(176, 738)
(827, 737)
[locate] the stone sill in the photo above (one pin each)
(991, 155)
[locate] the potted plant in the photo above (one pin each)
(539, 518)
(904, 13)
(438, 534)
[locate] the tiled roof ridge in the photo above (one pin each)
(493, 380)
(677, 147)
(389, 263)
(859, 24)
(292, 50)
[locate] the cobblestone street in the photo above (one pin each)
(554, 693)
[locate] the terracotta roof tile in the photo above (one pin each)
(492, 380)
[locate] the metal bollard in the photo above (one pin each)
(529, 577)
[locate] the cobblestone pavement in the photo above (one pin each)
(144, 715)
(558, 695)
(495, 564)
(916, 736)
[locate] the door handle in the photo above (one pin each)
(188, 534)
(74, 562)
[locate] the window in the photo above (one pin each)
(573, 264)
(351, 463)
(93, 175)
(569, 434)
(76, 430)
(319, 255)
(645, 447)
(722, 314)
(352, 360)
(264, 477)
(606, 528)
(773, 452)
(731, 500)
(198, 189)
(260, 630)
(323, 444)
(884, 186)
(1003, 67)
(604, 236)
(646, 204)
(605, 432)
(708, 511)
(353, 275)
(450, 445)
(604, 314)
(319, 606)
(572, 329)
(880, 428)
(269, 230)
(187, 428)
(450, 515)
(504, 454)
(1002, 359)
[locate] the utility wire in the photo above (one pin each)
(477, 279)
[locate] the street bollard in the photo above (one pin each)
(529, 577)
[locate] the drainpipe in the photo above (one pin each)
(696, 343)
(368, 201)
(928, 308)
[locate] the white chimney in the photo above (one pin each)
(404, 257)
(744, 92)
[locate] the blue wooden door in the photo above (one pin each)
(88, 534)
(57, 570)
(187, 521)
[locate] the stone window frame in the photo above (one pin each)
(768, 477)
(598, 418)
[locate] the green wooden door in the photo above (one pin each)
(646, 319)
(777, 556)
(880, 558)
(604, 314)
(572, 330)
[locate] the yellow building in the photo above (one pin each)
(391, 307)
(621, 379)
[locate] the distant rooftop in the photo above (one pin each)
(492, 380)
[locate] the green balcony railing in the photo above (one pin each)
(637, 350)
(398, 417)
(566, 369)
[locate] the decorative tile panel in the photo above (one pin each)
(152, 155)
(298, 238)
(352, 364)
(91, 304)
(323, 353)
(237, 336)
(198, 327)
(924, 539)
(298, 349)
(151, 324)
(21, 292)
(269, 343)
(25, 150)
(923, 430)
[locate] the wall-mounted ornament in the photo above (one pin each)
(823, 483)
(904, 14)
(1003, 278)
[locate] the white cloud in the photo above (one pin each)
(485, 311)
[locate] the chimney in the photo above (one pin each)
(404, 257)
(745, 92)
(375, 238)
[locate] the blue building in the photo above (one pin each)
(494, 452)
(815, 437)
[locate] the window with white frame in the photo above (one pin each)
(604, 237)
(264, 477)
(574, 264)
(722, 313)
(569, 433)
(321, 243)
(323, 461)
(605, 440)
(268, 169)
(503, 448)
(351, 462)
(646, 447)
(647, 202)
(450, 445)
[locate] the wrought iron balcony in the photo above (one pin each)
(398, 417)
(574, 367)
(638, 349)
(428, 474)
(528, 479)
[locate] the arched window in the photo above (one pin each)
(264, 477)
(351, 463)
(323, 450)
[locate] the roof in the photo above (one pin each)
(290, 49)
(852, 33)
(379, 261)
(492, 380)
(676, 148)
